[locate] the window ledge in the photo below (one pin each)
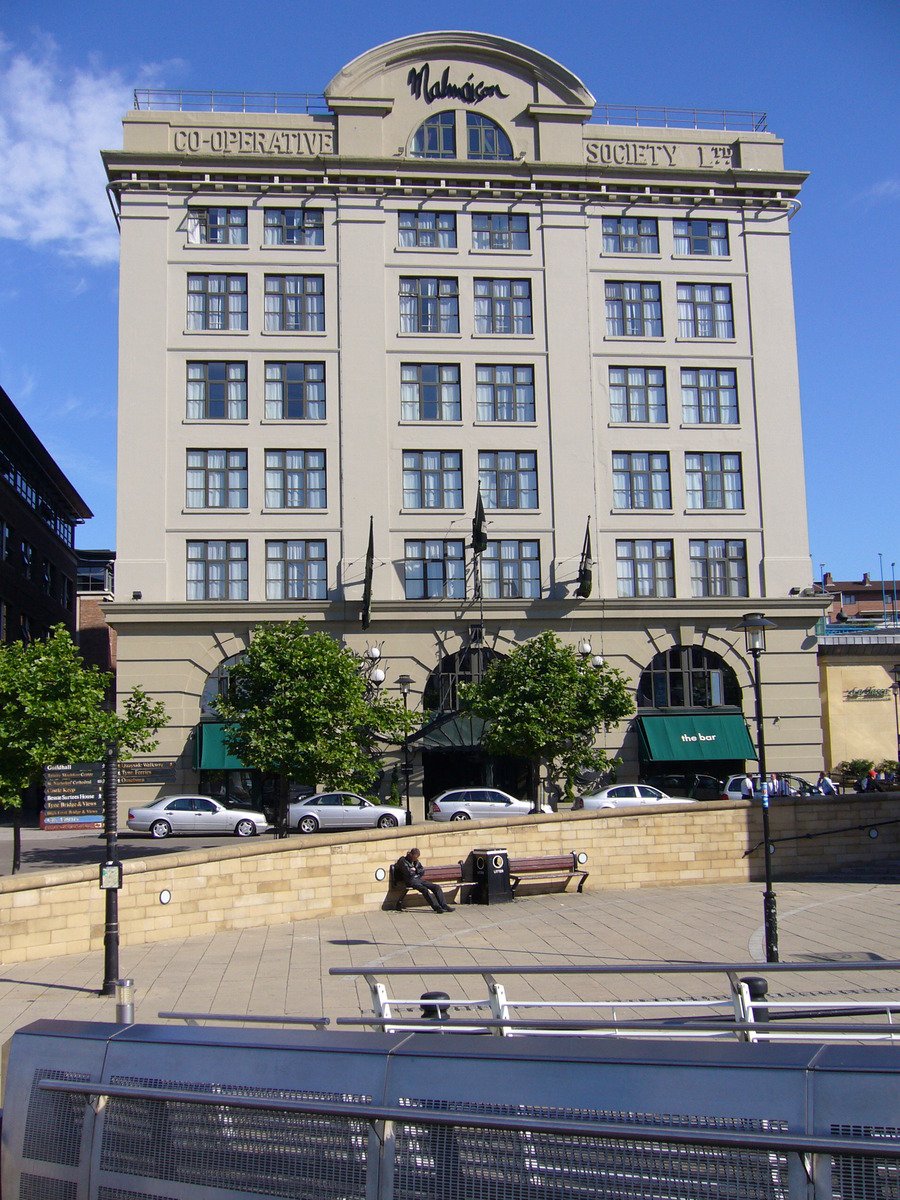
(505, 424)
(634, 337)
(650, 512)
(268, 512)
(216, 332)
(312, 333)
(436, 334)
(207, 247)
(707, 340)
(426, 249)
(638, 425)
(521, 337)
(293, 421)
(215, 421)
(267, 248)
(717, 258)
(417, 512)
(419, 421)
(710, 425)
(208, 512)
(507, 250)
(716, 512)
(630, 255)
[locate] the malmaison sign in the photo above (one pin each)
(470, 91)
(289, 143)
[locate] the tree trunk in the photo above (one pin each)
(17, 842)
(281, 816)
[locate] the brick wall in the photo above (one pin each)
(265, 883)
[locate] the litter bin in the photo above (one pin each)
(490, 871)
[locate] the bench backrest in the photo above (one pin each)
(558, 862)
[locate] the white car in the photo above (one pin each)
(342, 810)
(467, 804)
(197, 815)
(627, 795)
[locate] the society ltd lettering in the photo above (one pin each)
(470, 92)
(294, 143)
(657, 154)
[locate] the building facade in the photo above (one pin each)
(39, 509)
(452, 273)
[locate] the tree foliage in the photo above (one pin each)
(299, 706)
(542, 703)
(52, 710)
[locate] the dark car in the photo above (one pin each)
(695, 787)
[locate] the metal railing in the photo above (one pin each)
(679, 118)
(746, 1012)
(178, 100)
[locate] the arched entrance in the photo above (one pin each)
(450, 742)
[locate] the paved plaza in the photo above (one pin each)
(284, 969)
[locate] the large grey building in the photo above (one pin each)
(455, 271)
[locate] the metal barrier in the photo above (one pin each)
(747, 1012)
(102, 1112)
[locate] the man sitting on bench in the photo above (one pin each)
(408, 872)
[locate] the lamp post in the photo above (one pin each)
(754, 626)
(896, 691)
(405, 682)
(375, 677)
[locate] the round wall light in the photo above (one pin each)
(165, 896)
(380, 874)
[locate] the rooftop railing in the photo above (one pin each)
(178, 100)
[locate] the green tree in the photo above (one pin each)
(542, 703)
(52, 710)
(299, 707)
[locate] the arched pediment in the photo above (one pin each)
(478, 66)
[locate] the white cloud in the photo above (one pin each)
(885, 189)
(53, 123)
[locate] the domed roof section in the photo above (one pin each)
(374, 73)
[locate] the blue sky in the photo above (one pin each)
(825, 71)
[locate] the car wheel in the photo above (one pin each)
(460, 816)
(244, 828)
(308, 825)
(388, 822)
(160, 829)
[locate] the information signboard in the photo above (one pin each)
(155, 771)
(73, 796)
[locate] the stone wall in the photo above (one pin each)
(264, 882)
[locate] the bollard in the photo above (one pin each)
(434, 1012)
(758, 987)
(124, 1001)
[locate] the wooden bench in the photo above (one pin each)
(449, 876)
(560, 866)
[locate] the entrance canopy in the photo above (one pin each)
(451, 731)
(693, 737)
(210, 751)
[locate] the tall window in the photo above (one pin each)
(216, 479)
(701, 237)
(508, 478)
(217, 226)
(641, 480)
(295, 303)
(500, 231)
(645, 567)
(688, 677)
(436, 137)
(295, 391)
(504, 393)
(434, 568)
(217, 302)
(704, 310)
(638, 394)
(429, 392)
(709, 397)
(503, 306)
(719, 567)
(295, 479)
(429, 305)
(511, 570)
(432, 479)
(430, 230)
(630, 235)
(296, 570)
(216, 391)
(217, 570)
(294, 227)
(633, 309)
(714, 480)
(486, 140)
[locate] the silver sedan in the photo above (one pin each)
(342, 810)
(627, 795)
(194, 814)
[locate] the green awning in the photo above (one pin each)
(693, 737)
(210, 751)
(451, 731)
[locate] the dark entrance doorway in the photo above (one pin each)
(445, 769)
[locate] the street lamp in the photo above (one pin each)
(405, 682)
(896, 691)
(376, 674)
(754, 626)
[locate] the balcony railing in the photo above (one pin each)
(679, 118)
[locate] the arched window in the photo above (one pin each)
(217, 685)
(436, 137)
(688, 677)
(442, 689)
(486, 140)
